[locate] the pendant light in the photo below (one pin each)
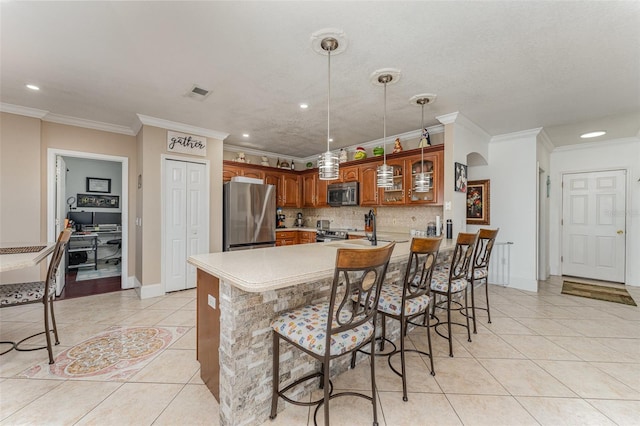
(328, 163)
(422, 180)
(384, 172)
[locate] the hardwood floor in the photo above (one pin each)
(75, 288)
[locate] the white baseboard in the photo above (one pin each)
(522, 283)
(131, 283)
(149, 290)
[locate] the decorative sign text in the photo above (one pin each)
(186, 144)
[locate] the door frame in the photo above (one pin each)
(163, 236)
(52, 153)
(627, 184)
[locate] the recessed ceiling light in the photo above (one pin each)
(304, 106)
(593, 134)
(32, 87)
(330, 139)
(245, 135)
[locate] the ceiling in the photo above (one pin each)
(569, 67)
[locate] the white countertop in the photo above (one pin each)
(294, 228)
(272, 268)
(10, 262)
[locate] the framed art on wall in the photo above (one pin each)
(104, 201)
(460, 183)
(98, 185)
(478, 202)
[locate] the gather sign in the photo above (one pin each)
(186, 144)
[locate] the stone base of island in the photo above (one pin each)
(238, 295)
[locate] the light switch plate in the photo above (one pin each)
(212, 301)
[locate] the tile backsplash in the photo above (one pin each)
(390, 219)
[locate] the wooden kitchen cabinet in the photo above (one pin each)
(314, 190)
(306, 237)
(289, 190)
(286, 238)
(432, 164)
(350, 174)
(396, 194)
(229, 171)
(368, 185)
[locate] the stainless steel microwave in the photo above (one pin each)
(343, 194)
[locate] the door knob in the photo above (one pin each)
(620, 232)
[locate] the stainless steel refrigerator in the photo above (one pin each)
(249, 216)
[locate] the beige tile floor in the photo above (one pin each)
(546, 359)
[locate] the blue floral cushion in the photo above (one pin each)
(307, 326)
(391, 300)
(440, 282)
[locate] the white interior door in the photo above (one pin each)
(186, 221)
(593, 232)
(197, 216)
(61, 214)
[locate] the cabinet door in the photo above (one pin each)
(253, 173)
(290, 190)
(430, 166)
(368, 186)
(321, 194)
(309, 192)
(273, 178)
(230, 171)
(395, 195)
(350, 174)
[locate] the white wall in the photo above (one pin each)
(606, 155)
(513, 175)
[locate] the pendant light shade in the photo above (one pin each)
(328, 163)
(422, 181)
(385, 172)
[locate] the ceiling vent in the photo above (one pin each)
(198, 93)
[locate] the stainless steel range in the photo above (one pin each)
(323, 235)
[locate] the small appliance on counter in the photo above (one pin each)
(280, 219)
(322, 224)
(299, 223)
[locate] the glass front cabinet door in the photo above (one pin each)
(418, 166)
(395, 195)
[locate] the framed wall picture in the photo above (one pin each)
(460, 183)
(98, 185)
(478, 202)
(103, 201)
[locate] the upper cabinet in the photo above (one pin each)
(305, 189)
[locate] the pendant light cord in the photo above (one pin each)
(422, 142)
(384, 125)
(329, 99)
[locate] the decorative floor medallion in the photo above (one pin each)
(116, 354)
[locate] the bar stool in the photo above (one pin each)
(480, 269)
(451, 281)
(337, 327)
(410, 300)
(38, 292)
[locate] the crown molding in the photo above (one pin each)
(458, 118)
(448, 118)
(88, 124)
(524, 134)
(180, 127)
(20, 110)
(598, 144)
(544, 138)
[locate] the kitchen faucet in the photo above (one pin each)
(370, 222)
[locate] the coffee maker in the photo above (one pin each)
(299, 220)
(280, 218)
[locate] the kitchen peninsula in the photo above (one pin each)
(238, 295)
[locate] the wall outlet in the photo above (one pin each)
(211, 301)
(447, 205)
